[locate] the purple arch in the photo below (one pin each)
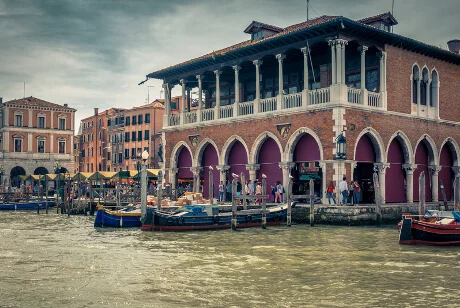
(394, 179)
(269, 158)
(210, 158)
(307, 149)
(237, 160)
(184, 163)
(365, 152)
(422, 159)
(446, 175)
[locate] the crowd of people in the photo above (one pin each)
(350, 192)
(252, 188)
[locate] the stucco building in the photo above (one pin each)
(35, 134)
(276, 104)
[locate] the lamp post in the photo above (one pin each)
(341, 154)
(144, 157)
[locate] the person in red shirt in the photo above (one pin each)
(330, 192)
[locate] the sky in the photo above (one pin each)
(94, 53)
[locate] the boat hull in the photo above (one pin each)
(158, 221)
(25, 206)
(413, 232)
(115, 219)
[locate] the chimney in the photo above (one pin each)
(454, 46)
(96, 111)
(66, 105)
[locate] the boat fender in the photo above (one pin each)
(249, 218)
(216, 219)
(180, 220)
(170, 221)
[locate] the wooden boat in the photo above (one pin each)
(435, 228)
(127, 217)
(207, 217)
(21, 206)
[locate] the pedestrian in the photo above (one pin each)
(229, 191)
(259, 191)
(248, 191)
(274, 192)
(350, 192)
(356, 192)
(330, 192)
(343, 187)
(281, 191)
(221, 191)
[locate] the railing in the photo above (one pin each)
(292, 100)
(373, 99)
(207, 114)
(319, 96)
(246, 108)
(174, 120)
(226, 112)
(268, 104)
(190, 117)
(354, 96)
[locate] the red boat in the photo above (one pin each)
(440, 228)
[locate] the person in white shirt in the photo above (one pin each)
(343, 187)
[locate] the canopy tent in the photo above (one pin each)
(81, 176)
(102, 175)
(308, 177)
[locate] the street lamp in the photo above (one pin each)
(144, 157)
(1, 174)
(341, 147)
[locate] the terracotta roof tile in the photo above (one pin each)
(35, 102)
(377, 17)
(262, 25)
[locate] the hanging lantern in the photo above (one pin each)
(341, 144)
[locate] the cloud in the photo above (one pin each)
(93, 53)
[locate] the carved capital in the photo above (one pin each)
(257, 63)
(199, 77)
(217, 73)
(196, 170)
(341, 42)
(252, 167)
(223, 168)
(304, 50)
(409, 167)
(236, 68)
(183, 82)
(362, 49)
(286, 165)
(434, 169)
(456, 171)
(381, 54)
(280, 57)
(381, 167)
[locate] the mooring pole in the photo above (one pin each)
(211, 185)
(46, 195)
(289, 208)
(378, 208)
(264, 204)
(421, 207)
(234, 208)
(243, 191)
(143, 191)
(444, 198)
(159, 189)
(312, 203)
(91, 211)
(38, 195)
(57, 193)
(457, 194)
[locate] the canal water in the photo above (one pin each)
(59, 261)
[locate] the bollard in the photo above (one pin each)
(378, 204)
(312, 203)
(211, 185)
(264, 204)
(243, 191)
(234, 208)
(421, 207)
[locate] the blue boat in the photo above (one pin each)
(127, 217)
(22, 206)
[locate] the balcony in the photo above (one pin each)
(296, 102)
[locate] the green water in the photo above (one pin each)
(60, 261)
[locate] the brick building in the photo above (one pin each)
(35, 134)
(276, 103)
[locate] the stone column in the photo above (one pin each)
(52, 120)
(409, 168)
(52, 144)
(286, 167)
(362, 50)
(196, 178)
(305, 102)
(280, 58)
(333, 60)
(6, 142)
(343, 43)
(324, 183)
(172, 177)
(381, 169)
(237, 90)
(338, 47)
(167, 112)
(217, 108)
(29, 122)
(252, 168)
(223, 172)
(200, 97)
(257, 63)
(383, 82)
(434, 170)
(182, 109)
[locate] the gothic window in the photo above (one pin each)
(423, 87)
(415, 84)
(434, 89)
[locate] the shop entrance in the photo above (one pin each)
(364, 173)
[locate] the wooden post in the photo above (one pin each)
(159, 190)
(91, 211)
(288, 198)
(234, 206)
(243, 191)
(443, 193)
(56, 201)
(378, 198)
(46, 195)
(211, 186)
(264, 204)
(421, 207)
(457, 194)
(312, 203)
(38, 195)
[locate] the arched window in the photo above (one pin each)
(434, 89)
(415, 83)
(424, 87)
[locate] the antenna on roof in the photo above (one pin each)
(308, 5)
(392, 12)
(24, 89)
